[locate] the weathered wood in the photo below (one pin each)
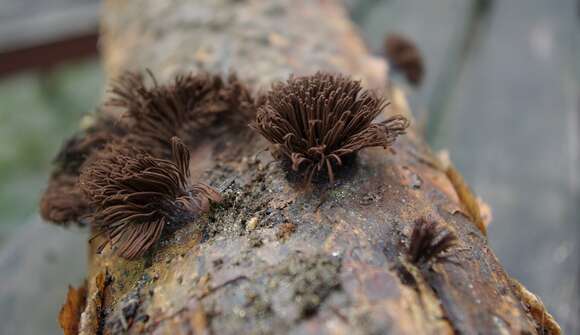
(342, 268)
(516, 109)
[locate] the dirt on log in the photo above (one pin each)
(275, 256)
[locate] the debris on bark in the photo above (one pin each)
(545, 322)
(70, 313)
(467, 198)
(285, 231)
(93, 317)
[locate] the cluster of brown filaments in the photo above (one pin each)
(315, 122)
(135, 181)
(406, 58)
(185, 107)
(135, 195)
(140, 182)
(429, 242)
(63, 202)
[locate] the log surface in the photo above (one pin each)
(277, 257)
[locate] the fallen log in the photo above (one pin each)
(278, 256)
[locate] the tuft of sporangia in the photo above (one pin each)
(405, 57)
(63, 202)
(135, 195)
(317, 121)
(184, 107)
(429, 242)
(75, 150)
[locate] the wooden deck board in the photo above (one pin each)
(27, 23)
(437, 27)
(512, 129)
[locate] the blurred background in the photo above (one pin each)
(500, 93)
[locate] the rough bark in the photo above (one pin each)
(277, 257)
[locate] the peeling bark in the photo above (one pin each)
(278, 257)
(70, 313)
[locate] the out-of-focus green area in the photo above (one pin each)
(38, 111)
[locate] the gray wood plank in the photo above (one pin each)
(37, 264)
(512, 128)
(25, 23)
(437, 27)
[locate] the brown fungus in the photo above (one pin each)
(185, 106)
(405, 57)
(63, 202)
(75, 150)
(429, 242)
(188, 106)
(317, 121)
(135, 195)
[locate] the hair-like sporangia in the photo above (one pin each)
(405, 57)
(316, 121)
(429, 241)
(184, 107)
(63, 202)
(135, 195)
